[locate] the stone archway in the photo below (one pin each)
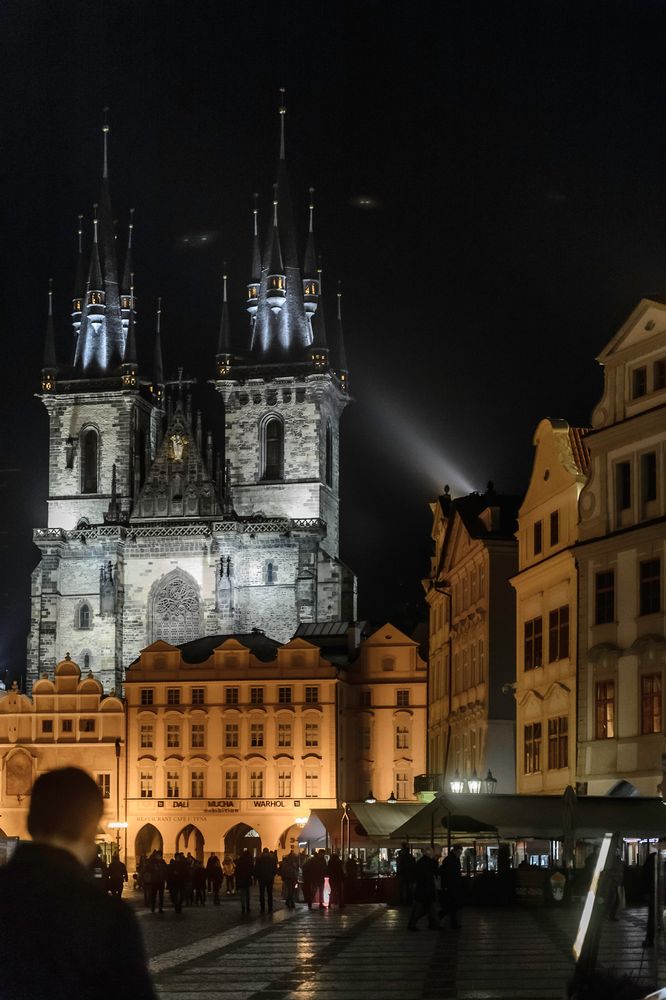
(147, 840)
(239, 837)
(191, 840)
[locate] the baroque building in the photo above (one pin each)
(471, 711)
(621, 553)
(151, 533)
(546, 588)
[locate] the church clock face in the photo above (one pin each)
(177, 447)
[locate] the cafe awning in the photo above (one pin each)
(380, 819)
(547, 817)
(320, 823)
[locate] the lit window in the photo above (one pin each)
(284, 784)
(197, 784)
(146, 785)
(147, 696)
(173, 735)
(173, 784)
(231, 735)
(104, 785)
(532, 748)
(146, 736)
(312, 734)
(605, 710)
(311, 784)
(402, 697)
(284, 695)
(231, 784)
(256, 784)
(651, 703)
(198, 735)
(256, 734)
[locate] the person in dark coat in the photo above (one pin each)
(90, 945)
(309, 880)
(117, 876)
(244, 875)
(336, 878)
(158, 876)
(404, 870)
(265, 870)
(198, 873)
(289, 874)
(214, 877)
(425, 891)
(451, 876)
(176, 879)
(320, 870)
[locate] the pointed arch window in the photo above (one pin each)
(329, 454)
(89, 461)
(175, 610)
(84, 616)
(273, 449)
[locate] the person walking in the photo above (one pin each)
(117, 876)
(320, 870)
(90, 945)
(425, 891)
(451, 877)
(309, 880)
(214, 876)
(198, 873)
(244, 875)
(265, 870)
(289, 875)
(158, 875)
(229, 872)
(177, 877)
(404, 870)
(336, 879)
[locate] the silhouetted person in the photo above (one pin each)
(265, 870)
(647, 888)
(229, 872)
(214, 877)
(404, 870)
(158, 875)
(244, 874)
(319, 871)
(176, 879)
(309, 880)
(199, 883)
(117, 875)
(289, 875)
(336, 880)
(425, 891)
(62, 937)
(451, 876)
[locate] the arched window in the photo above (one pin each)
(84, 616)
(329, 455)
(273, 449)
(271, 572)
(86, 661)
(89, 461)
(176, 612)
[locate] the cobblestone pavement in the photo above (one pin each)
(365, 952)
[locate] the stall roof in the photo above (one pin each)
(543, 816)
(321, 822)
(380, 819)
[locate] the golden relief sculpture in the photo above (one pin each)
(177, 447)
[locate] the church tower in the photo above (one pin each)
(152, 533)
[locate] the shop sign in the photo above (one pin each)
(268, 803)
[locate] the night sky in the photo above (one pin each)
(516, 158)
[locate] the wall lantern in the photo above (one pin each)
(458, 784)
(490, 783)
(474, 784)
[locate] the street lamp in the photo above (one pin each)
(370, 799)
(117, 826)
(490, 783)
(458, 784)
(474, 783)
(391, 800)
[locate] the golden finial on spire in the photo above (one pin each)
(95, 222)
(50, 296)
(283, 110)
(105, 132)
(131, 228)
(311, 206)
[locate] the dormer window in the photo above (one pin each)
(252, 292)
(277, 281)
(310, 288)
(639, 382)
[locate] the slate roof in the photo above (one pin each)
(259, 644)
(473, 505)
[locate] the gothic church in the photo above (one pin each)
(151, 533)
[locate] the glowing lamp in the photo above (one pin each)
(370, 799)
(474, 784)
(490, 783)
(458, 784)
(392, 801)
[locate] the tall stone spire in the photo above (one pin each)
(49, 363)
(127, 301)
(341, 359)
(255, 267)
(310, 279)
(130, 366)
(224, 355)
(319, 346)
(158, 365)
(79, 283)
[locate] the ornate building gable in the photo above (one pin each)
(179, 482)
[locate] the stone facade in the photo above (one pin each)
(547, 612)
(621, 555)
(471, 710)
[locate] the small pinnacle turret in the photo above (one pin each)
(49, 364)
(319, 346)
(310, 279)
(127, 279)
(79, 283)
(224, 356)
(158, 365)
(276, 291)
(130, 366)
(341, 359)
(255, 269)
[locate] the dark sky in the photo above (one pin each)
(517, 156)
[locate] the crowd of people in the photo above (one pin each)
(190, 883)
(433, 885)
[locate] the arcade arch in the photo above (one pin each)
(239, 837)
(147, 840)
(191, 839)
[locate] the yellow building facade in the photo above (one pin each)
(547, 612)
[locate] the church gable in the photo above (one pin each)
(179, 483)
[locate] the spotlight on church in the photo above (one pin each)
(365, 201)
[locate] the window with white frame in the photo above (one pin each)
(104, 784)
(256, 734)
(401, 785)
(147, 696)
(198, 696)
(402, 697)
(173, 696)
(173, 734)
(402, 737)
(256, 696)
(231, 784)
(146, 736)
(198, 735)
(173, 784)
(311, 695)
(284, 736)
(197, 784)
(284, 784)
(311, 784)
(256, 784)
(284, 695)
(146, 784)
(312, 734)
(231, 735)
